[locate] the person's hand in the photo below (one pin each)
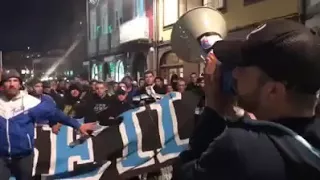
(87, 128)
(222, 103)
(56, 128)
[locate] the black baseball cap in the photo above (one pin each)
(120, 91)
(285, 50)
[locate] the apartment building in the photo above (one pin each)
(241, 16)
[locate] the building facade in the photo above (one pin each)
(312, 17)
(120, 37)
(241, 16)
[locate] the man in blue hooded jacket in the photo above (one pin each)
(19, 112)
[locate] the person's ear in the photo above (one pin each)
(274, 90)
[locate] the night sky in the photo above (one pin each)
(34, 23)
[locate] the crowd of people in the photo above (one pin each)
(94, 101)
(275, 78)
(104, 101)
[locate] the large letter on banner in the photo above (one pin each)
(81, 154)
(67, 156)
(168, 128)
(132, 140)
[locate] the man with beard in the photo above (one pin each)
(276, 79)
(19, 112)
(37, 91)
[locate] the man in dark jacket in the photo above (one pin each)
(99, 102)
(74, 106)
(118, 105)
(277, 80)
(49, 89)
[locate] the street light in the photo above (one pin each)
(28, 47)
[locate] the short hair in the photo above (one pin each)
(160, 78)
(122, 83)
(302, 101)
(148, 72)
(93, 81)
(127, 77)
(297, 99)
(193, 73)
(102, 82)
(181, 79)
(141, 79)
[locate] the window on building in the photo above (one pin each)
(140, 8)
(128, 10)
(117, 19)
(93, 24)
(216, 4)
(104, 19)
(170, 12)
(249, 2)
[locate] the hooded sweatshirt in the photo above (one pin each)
(74, 106)
(284, 149)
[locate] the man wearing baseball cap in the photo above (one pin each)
(276, 74)
(19, 112)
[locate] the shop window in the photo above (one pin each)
(100, 72)
(201, 66)
(112, 66)
(170, 64)
(180, 72)
(119, 71)
(94, 72)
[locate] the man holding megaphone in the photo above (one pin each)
(274, 74)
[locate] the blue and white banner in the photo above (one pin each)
(149, 138)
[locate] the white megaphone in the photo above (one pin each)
(196, 31)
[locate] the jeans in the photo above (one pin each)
(19, 167)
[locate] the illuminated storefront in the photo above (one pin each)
(119, 71)
(97, 71)
(117, 27)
